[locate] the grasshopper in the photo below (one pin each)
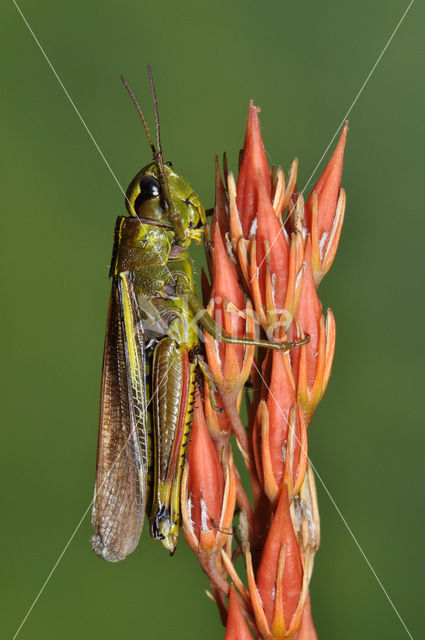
(151, 354)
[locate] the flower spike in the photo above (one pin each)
(268, 251)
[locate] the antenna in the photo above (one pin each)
(155, 108)
(140, 112)
(158, 156)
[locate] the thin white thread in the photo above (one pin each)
(54, 568)
(69, 97)
(338, 128)
(78, 114)
(338, 510)
(82, 519)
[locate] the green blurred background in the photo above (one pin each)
(303, 63)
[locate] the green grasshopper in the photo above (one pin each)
(152, 351)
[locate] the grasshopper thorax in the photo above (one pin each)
(145, 200)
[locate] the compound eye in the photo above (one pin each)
(149, 188)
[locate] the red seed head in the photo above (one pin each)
(272, 248)
(254, 162)
(306, 630)
(308, 316)
(206, 479)
(281, 537)
(236, 627)
(327, 189)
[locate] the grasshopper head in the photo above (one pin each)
(145, 200)
(158, 195)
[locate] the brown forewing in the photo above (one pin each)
(120, 493)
